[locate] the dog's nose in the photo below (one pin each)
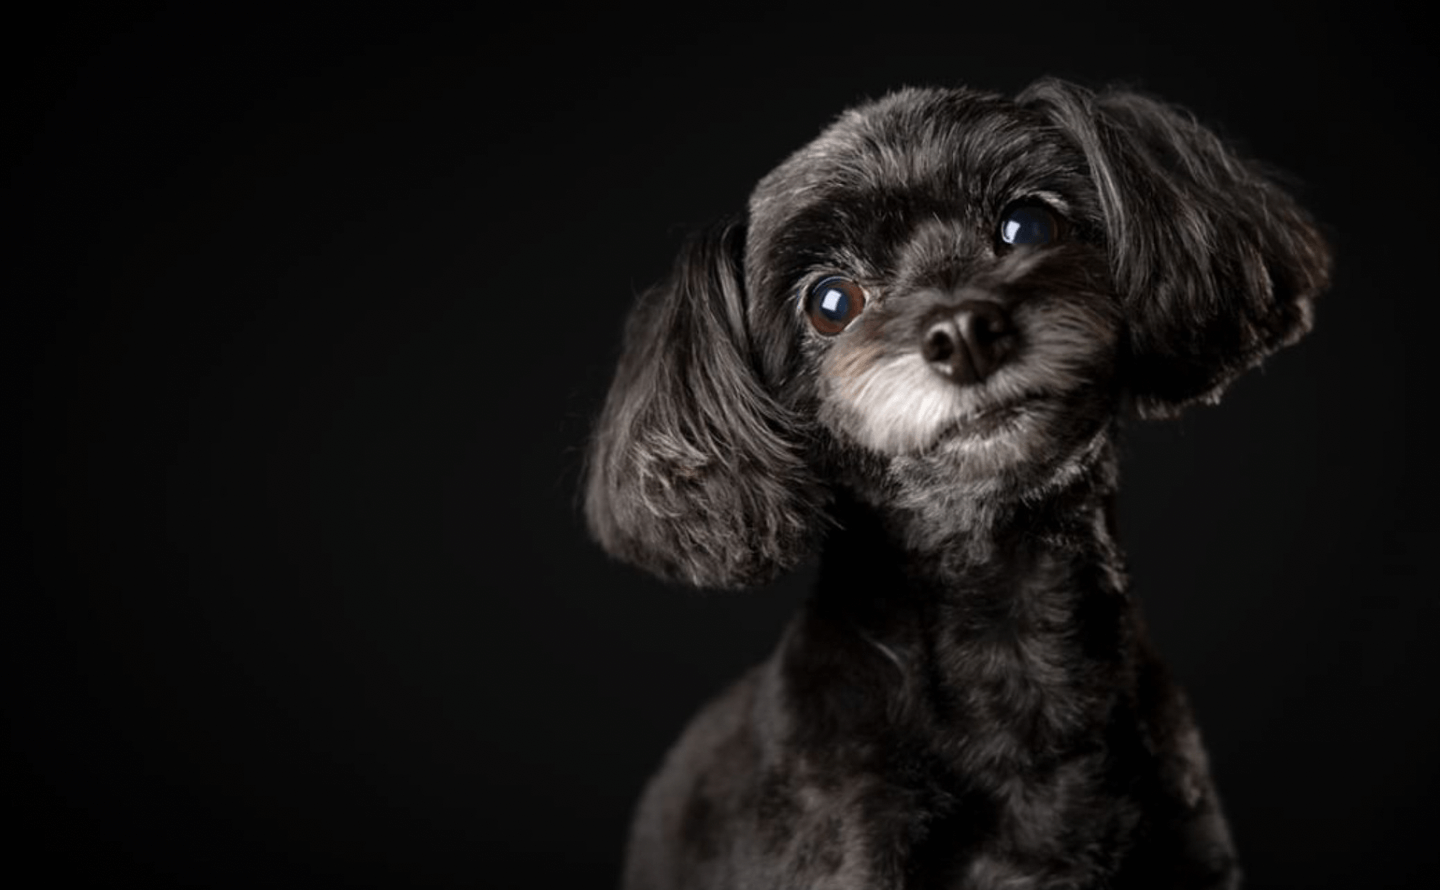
(968, 341)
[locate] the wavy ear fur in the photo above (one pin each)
(693, 471)
(1217, 266)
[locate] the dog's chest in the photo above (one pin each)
(958, 745)
(971, 809)
(874, 831)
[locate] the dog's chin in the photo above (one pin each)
(979, 424)
(1019, 441)
(994, 440)
(1020, 448)
(991, 425)
(1015, 428)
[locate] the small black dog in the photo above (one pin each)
(912, 353)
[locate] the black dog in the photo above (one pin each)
(912, 354)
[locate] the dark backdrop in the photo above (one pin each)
(313, 311)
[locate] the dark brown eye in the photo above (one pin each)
(833, 303)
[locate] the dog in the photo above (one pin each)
(912, 355)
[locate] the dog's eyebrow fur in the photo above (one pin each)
(951, 455)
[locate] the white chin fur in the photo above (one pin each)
(901, 406)
(897, 406)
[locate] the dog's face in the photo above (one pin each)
(934, 273)
(950, 287)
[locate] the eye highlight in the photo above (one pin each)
(832, 303)
(1029, 224)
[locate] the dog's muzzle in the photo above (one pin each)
(967, 341)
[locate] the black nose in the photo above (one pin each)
(967, 342)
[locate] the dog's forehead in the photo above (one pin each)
(925, 140)
(914, 155)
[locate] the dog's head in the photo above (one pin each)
(947, 284)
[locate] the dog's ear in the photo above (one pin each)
(1218, 267)
(694, 472)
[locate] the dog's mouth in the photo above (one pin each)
(993, 421)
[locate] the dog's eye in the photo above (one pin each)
(1028, 224)
(833, 303)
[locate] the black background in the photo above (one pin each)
(313, 311)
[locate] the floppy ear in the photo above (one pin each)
(1216, 265)
(694, 472)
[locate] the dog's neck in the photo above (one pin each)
(941, 537)
(1008, 632)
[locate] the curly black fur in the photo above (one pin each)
(968, 699)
